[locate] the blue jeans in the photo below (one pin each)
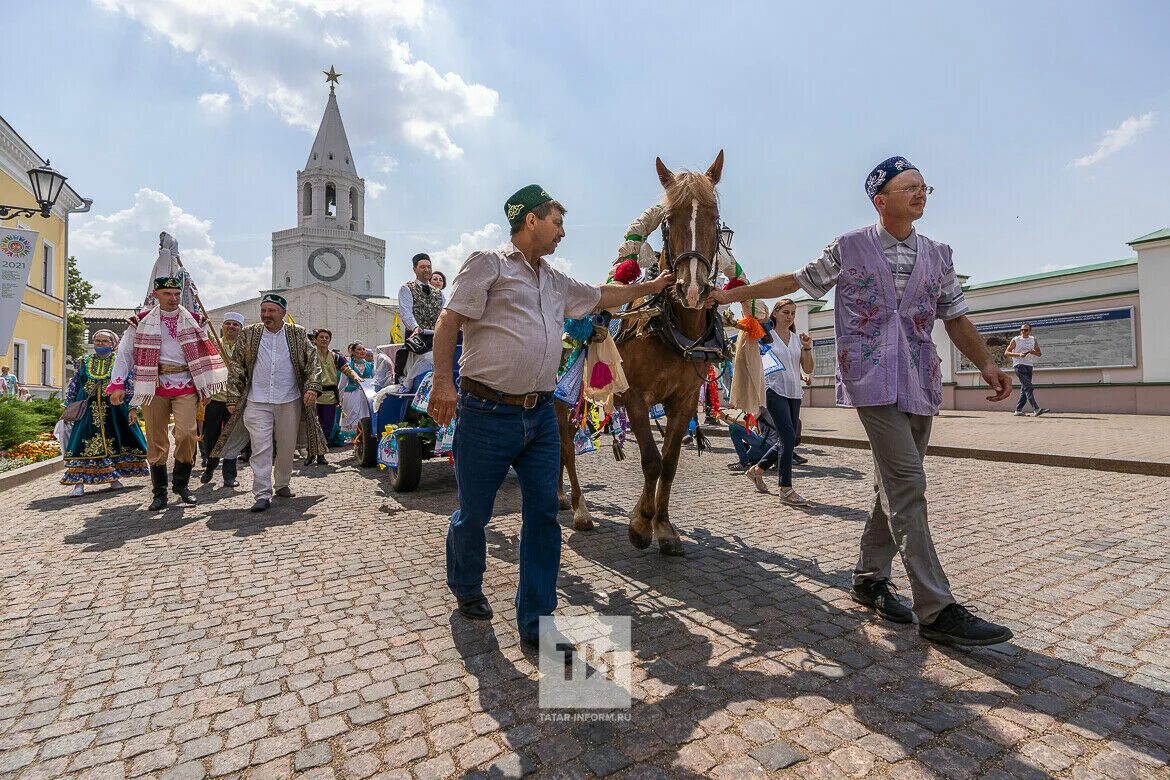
(748, 446)
(1027, 395)
(785, 413)
(490, 438)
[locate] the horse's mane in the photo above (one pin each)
(687, 186)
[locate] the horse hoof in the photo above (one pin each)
(564, 502)
(638, 540)
(583, 524)
(671, 547)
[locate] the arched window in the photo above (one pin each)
(330, 200)
(354, 208)
(307, 200)
(287, 281)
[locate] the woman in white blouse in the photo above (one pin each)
(784, 393)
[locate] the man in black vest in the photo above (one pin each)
(419, 305)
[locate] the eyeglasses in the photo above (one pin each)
(915, 190)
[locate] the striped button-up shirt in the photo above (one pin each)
(516, 316)
(820, 276)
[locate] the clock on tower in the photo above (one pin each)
(327, 264)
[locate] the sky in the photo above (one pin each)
(1043, 126)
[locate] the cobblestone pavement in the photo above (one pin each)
(317, 641)
(1140, 437)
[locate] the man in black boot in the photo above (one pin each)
(181, 480)
(174, 367)
(158, 483)
(216, 413)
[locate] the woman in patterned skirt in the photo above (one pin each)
(105, 444)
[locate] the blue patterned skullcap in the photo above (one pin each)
(880, 176)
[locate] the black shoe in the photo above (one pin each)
(158, 482)
(309, 460)
(955, 625)
(709, 420)
(797, 460)
(879, 595)
(1040, 411)
(688, 440)
(556, 643)
(476, 608)
(285, 492)
(181, 481)
(321, 460)
(260, 505)
(737, 467)
(208, 471)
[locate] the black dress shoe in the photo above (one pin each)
(309, 460)
(321, 460)
(879, 595)
(797, 460)
(956, 625)
(737, 467)
(476, 608)
(260, 505)
(285, 492)
(230, 483)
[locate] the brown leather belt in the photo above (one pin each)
(480, 390)
(170, 368)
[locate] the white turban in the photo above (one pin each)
(235, 317)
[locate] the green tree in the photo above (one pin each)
(79, 295)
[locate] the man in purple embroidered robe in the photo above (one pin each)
(893, 284)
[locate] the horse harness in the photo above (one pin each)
(711, 346)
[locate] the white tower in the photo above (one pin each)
(329, 244)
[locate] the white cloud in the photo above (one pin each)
(385, 163)
(215, 103)
(450, 259)
(1117, 139)
(261, 47)
(562, 264)
(374, 189)
(116, 249)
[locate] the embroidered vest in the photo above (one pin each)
(427, 304)
(885, 353)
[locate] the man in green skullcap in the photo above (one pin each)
(510, 304)
(275, 378)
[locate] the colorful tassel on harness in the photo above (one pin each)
(601, 376)
(626, 271)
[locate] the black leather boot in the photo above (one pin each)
(209, 471)
(180, 480)
(158, 482)
(229, 472)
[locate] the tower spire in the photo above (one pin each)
(332, 77)
(331, 146)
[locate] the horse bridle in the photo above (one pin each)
(670, 263)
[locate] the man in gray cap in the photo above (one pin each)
(274, 382)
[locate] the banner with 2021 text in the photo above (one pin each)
(17, 248)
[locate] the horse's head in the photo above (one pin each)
(691, 222)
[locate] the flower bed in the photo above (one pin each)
(41, 448)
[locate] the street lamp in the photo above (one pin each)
(46, 186)
(725, 234)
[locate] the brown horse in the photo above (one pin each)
(657, 371)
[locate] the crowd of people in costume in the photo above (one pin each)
(275, 386)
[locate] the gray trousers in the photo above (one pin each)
(898, 523)
(272, 426)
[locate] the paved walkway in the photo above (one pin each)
(1114, 442)
(317, 640)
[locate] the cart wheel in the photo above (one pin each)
(365, 446)
(405, 478)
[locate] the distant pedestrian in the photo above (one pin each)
(216, 414)
(8, 381)
(1021, 349)
(438, 280)
(353, 397)
(333, 367)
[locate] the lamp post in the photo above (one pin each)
(46, 187)
(725, 235)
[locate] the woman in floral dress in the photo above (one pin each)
(105, 445)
